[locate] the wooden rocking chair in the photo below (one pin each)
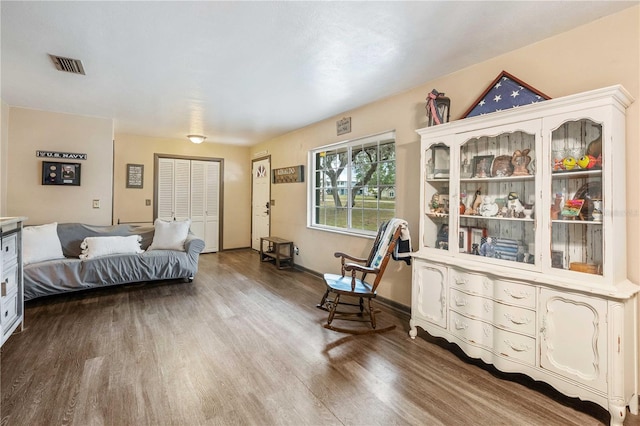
(349, 284)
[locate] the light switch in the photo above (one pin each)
(147, 202)
(96, 204)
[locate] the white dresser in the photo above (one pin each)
(522, 257)
(11, 290)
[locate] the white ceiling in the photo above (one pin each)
(244, 72)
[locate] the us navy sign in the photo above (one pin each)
(61, 155)
(288, 174)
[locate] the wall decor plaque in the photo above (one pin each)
(288, 174)
(55, 173)
(61, 155)
(135, 175)
(343, 126)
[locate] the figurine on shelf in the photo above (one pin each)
(475, 204)
(487, 248)
(435, 202)
(556, 208)
(514, 205)
(465, 169)
(442, 240)
(520, 161)
(488, 208)
(595, 147)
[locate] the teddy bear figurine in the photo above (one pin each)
(488, 207)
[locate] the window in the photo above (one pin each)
(354, 184)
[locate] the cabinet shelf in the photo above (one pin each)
(512, 219)
(577, 222)
(567, 174)
(498, 179)
(438, 215)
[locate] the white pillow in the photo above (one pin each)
(170, 235)
(101, 246)
(41, 243)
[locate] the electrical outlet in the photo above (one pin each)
(96, 204)
(296, 250)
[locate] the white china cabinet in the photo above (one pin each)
(522, 249)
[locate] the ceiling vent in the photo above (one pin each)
(73, 66)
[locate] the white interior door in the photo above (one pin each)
(205, 200)
(182, 189)
(261, 195)
(165, 197)
(198, 188)
(212, 206)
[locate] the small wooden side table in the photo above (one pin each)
(274, 251)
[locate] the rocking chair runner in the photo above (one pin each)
(348, 284)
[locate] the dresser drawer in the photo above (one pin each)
(9, 280)
(500, 342)
(9, 249)
(515, 293)
(512, 345)
(505, 316)
(9, 313)
(472, 283)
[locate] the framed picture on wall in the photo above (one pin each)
(135, 175)
(57, 173)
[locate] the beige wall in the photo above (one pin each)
(599, 54)
(129, 204)
(33, 130)
(4, 146)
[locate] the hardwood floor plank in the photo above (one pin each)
(243, 344)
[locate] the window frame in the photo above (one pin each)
(379, 139)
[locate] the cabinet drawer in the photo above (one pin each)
(510, 292)
(515, 293)
(506, 316)
(500, 342)
(9, 312)
(9, 249)
(512, 345)
(9, 280)
(472, 283)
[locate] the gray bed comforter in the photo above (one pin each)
(72, 274)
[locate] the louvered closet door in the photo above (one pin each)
(174, 188)
(212, 204)
(198, 184)
(182, 189)
(166, 188)
(205, 189)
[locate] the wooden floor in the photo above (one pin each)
(244, 345)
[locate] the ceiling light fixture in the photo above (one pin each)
(196, 138)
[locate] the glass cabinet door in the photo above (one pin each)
(436, 196)
(577, 207)
(497, 212)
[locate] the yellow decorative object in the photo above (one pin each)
(569, 163)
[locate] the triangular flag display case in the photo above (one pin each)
(505, 92)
